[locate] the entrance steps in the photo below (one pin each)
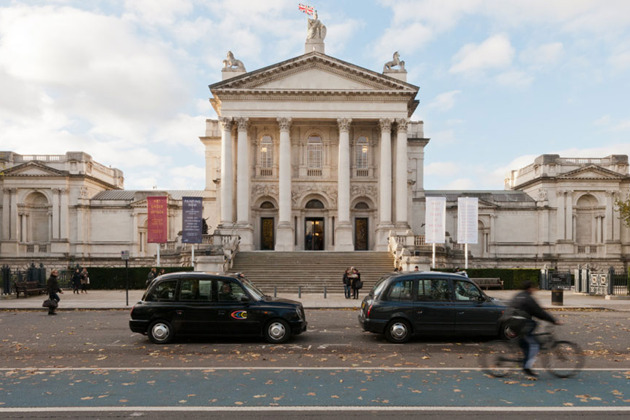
(310, 270)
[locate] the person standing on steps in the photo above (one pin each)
(355, 282)
(346, 283)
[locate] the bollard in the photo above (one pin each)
(300, 292)
(324, 292)
(275, 291)
(557, 297)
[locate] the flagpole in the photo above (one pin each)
(193, 257)
(158, 254)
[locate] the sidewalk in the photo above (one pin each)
(117, 299)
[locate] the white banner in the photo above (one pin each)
(435, 220)
(467, 216)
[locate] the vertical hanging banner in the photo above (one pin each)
(467, 216)
(158, 220)
(435, 220)
(192, 216)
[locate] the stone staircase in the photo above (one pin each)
(310, 270)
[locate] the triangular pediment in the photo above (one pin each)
(32, 169)
(313, 72)
(591, 172)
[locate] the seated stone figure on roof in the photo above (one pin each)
(316, 29)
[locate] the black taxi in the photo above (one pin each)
(204, 304)
(431, 303)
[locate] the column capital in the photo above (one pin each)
(284, 123)
(344, 124)
(226, 123)
(242, 123)
(402, 124)
(385, 124)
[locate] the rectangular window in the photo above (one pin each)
(401, 290)
(435, 290)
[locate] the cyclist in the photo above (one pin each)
(525, 306)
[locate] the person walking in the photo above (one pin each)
(355, 282)
(524, 305)
(346, 283)
(151, 276)
(52, 286)
(85, 280)
(76, 281)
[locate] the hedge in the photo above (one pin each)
(115, 277)
(513, 278)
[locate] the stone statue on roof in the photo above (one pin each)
(231, 63)
(316, 29)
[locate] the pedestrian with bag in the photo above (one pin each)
(346, 283)
(52, 286)
(355, 282)
(76, 281)
(85, 280)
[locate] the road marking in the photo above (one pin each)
(299, 368)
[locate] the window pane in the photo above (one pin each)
(362, 153)
(230, 291)
(195, 290)
(266, 152)
(433, 290)
(163, 291)
(314, 153)
(466, 291)
(401, 290)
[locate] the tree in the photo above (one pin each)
(623, 207)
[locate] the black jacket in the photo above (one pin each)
(53, 284)
(525, 302)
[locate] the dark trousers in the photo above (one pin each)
(53, 296)
(346, 289)
(355, 293)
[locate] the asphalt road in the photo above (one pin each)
(82, 362)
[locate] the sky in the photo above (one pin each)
(501, 81)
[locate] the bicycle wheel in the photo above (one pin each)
(564, 359)
(500, 357)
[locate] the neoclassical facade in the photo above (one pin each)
(315, 154)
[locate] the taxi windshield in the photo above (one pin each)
(251, 288)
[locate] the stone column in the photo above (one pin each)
(401, 173)
(64, 217)
(343, 230)
(6, 214)
(14, 224)
(561, 214)
(284, 237)
(56, 203)
(609, 236)
(227, 173)
(569, 216)
(385, 186)
(244, 227)
(242, 177)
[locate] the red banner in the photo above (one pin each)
(157, 225)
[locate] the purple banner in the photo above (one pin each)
(192, 213)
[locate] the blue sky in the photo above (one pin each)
(501, 82)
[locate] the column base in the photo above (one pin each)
(381, 242)
(343, 237)
(246, 232)
(284, 237)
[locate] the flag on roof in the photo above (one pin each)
(306, 9)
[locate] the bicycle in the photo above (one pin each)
(561, 358)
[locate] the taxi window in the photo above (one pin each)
(163, 291)
(195, 290)
(401, 290)
(466, 291)
(229, 291)
(435, 290)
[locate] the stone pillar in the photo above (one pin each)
(609, 237)
(343, 230)
(569, 216)
(227, 173)
(385, 186)
(401, 173)
(244, 227)
(284, 237)
(6, 214)
(64, 216)
(561, 214)
(14, 224)
(56, 203)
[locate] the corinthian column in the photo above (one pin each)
(284, 240)
(401, 173)
(227, 172)
(385, 175)
(343, 231)
(242, 176)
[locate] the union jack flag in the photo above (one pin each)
(306, 9)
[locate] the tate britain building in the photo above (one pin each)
(314, 154)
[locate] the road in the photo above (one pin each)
(85, 361)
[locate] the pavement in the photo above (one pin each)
(120, 299)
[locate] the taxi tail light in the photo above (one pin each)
(368, 311)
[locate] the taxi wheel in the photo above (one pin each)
(506, 332)
(277, 331)
(398, 331)
(160, 332)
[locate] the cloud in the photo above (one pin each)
(461, 184)
(542, 57)
(602, 121)
(441, 168)
(495, 52)
(514, 78)
(444, 101)
(620, 60)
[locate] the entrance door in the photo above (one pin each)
(314, 234)
(266, 234)
(361, 234)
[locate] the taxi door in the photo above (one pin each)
(235, 316)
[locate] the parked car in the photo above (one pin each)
(203, 304)
(430, 303)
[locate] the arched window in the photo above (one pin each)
(267, 205)
(362, 206)
(361, 156)
(314, 204)
(266, 156)
(314, 156)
